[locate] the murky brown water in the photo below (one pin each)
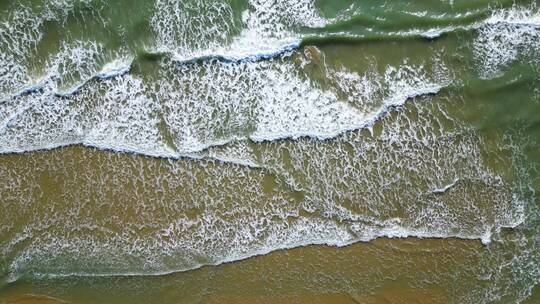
(269, 152)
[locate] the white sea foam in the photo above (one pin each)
(18, 36)
(506, 36)
(118, 67)
(203, 106)
(177, 216)
(516, 15)
(446, 187)
(237, 216)
(290, 244)
(273, 103)
(264, 29)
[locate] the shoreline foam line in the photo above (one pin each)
(398, 233)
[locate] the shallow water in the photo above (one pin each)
(269, 151)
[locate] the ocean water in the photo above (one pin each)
(269, 151)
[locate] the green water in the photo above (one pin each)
(269, 151)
